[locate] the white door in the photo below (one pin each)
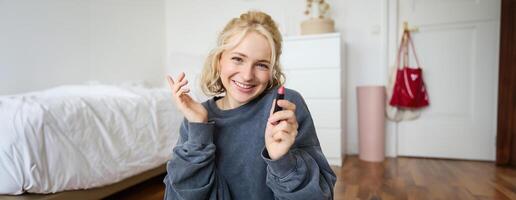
(457, 44)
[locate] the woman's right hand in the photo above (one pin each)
(191, 109)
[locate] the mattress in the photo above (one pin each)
(83, 136)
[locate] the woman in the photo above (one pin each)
(234, 146)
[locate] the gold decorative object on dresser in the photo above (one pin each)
(318, 21)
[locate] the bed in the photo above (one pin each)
(84, 136)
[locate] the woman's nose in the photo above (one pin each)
(247, 73)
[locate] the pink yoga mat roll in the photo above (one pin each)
(371, 123)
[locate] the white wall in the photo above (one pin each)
(45, 43)
(192, 27)
(360, 23)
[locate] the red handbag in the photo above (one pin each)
(409, 88)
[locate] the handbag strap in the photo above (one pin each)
(400, 49)
(409, 39)
(403, 49)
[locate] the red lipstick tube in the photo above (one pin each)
(279, 95)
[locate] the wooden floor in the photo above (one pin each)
(397, 178)
(419, 178)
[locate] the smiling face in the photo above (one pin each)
(245, 70)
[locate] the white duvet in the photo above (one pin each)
(83, 136)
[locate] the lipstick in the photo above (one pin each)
(279, 95)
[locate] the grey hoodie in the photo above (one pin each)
(226, 158)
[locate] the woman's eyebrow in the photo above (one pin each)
(240, 54)
(264, 61)
(245, 56)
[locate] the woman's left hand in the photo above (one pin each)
(281, 130)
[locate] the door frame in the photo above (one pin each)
(389, 42)
(506, 125)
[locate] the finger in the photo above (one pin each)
(288, 115)
(269, 134)
(182, 91)
(272, 107)
(175, 83)
(276, 137)
(281, 126)
(182, 83)
(287, 105)
(181, 76)
(175, 86)
(281, 136)
(286, 127)
(170, 81)
(185, 89)
(179, 85)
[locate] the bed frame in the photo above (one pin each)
(94, 193)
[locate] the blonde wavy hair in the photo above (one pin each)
(251, 21)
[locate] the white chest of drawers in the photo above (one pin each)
(312, 65)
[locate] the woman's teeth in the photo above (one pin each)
(243, 85)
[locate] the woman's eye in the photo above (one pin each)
(263, 66)
(237, 59)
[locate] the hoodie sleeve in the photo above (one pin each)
(191, 172)
(304, 172)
